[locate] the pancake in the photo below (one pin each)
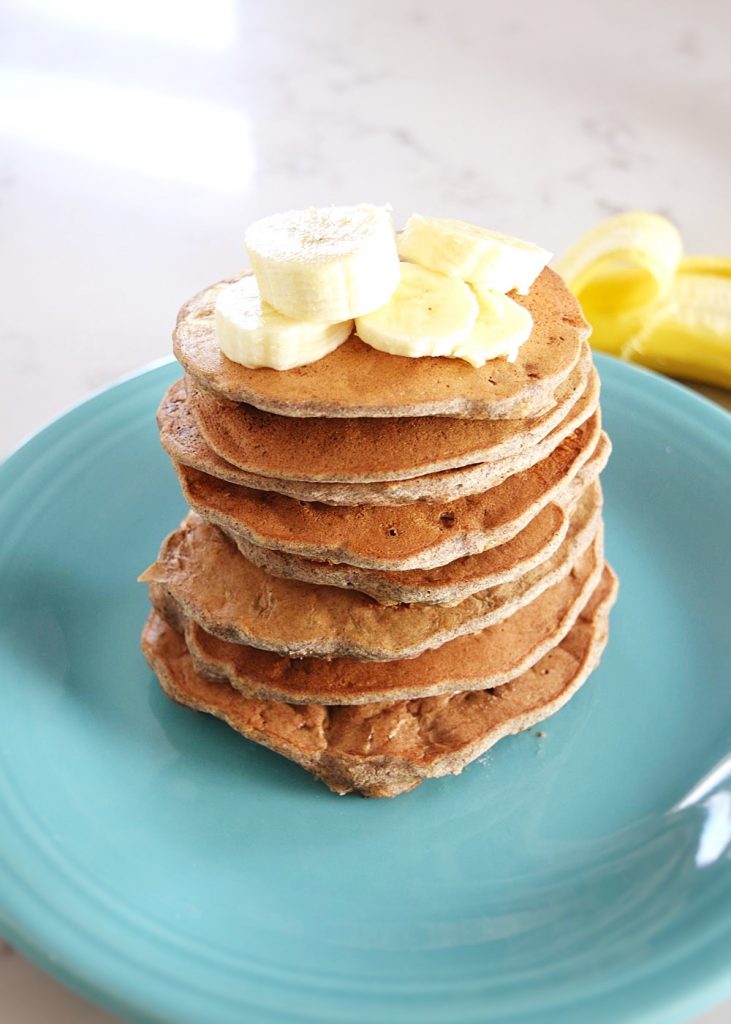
(364, 450)
(417, 536)
(357, 380)
(235, 600)
(183, 441)
(476, 661)
(445, 584)
(387, 749)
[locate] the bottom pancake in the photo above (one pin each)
(478, 661)
(385, 749)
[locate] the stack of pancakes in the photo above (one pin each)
(389, 563)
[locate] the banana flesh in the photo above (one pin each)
(428, 315)
(501, 327)
(254, 334)
(325, 265)
(318, 270)
(487, 260)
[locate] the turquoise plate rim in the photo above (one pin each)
(697, 976)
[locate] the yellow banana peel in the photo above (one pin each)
(720, 266)
(631, 258)
(689, 335)
(649, 303)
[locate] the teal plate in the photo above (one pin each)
(173, 872)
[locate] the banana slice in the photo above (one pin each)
(689, 335)
(325, 265)
(428, 315)
(253, 333)
(501, 327)
(486, 259)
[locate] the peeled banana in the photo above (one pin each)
(254, 334)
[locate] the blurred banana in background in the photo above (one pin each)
(650, 304)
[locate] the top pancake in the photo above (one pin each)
(364, 449)
(184, 443)
(357, 380)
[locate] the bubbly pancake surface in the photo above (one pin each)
(445, 584)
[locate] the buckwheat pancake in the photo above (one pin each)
(417, 536)
(476, 661)
(357, 380)
(385, 749)
(235, 600)
(445, 584)
(366, 450)
(183, 441)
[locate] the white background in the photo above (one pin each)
(138, 139)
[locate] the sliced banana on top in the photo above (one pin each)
(325, 265)
(254, 334)
(428, 315)
(316, 270)
(486, 259)
(501, 327)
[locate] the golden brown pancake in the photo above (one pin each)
(235, 600)
(417, 536)
(184, 442)
(445, 584)
(367, 450)
(357, 380)
(476, 661)
(387, 749)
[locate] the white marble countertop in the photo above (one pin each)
(139, 138)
